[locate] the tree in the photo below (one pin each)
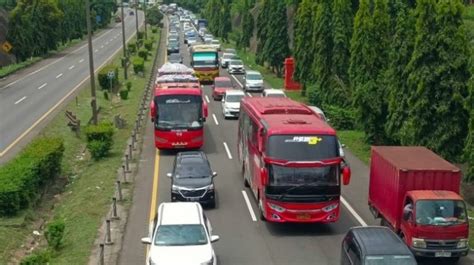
(438, 79)
(342, 32)
(469, 148)
(263, 20)
(247, 26)
(401, 50)
(303, 49)
(225, 24)
(323, 45)
(368, 63)
(154, 16)
(212, 12)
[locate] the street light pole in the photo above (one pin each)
(91, 63)
(125, 75)
(144, 16)
(136, 15)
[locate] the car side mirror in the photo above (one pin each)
(146, 240)
(214, 174)
(169, 175)
(346, 175)
(214, 238)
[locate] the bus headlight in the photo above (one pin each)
(418, 242)
(462, 243)
(276, 207)
(330, 207)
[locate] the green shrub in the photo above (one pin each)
(340, 118)
(106, 95)
(143, 53)
(148, 45)
(132, 47)
(154, 29)
(124, 94)
(138, 65)
(99, 139)
(128, 85)
(104, 80)
(41, 257)
(140, 35)
(54, 233)
(22, 179)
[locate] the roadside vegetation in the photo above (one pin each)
(74, 205)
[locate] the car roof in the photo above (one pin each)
(252, 72)
(379, 240)
(235, 92)
(180, 213)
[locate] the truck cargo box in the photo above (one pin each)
(394, 170)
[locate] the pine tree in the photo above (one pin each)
(438, 79)
(323, 45)
(247, 27)
(369, 58)
(263, 21)
(401, 50)
(212, 13)
(342, 33)
(469, 148)
(303, 49)
(226, 25)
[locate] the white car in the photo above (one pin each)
(231, 103)
(225, 59)
(182, 234)
(216, 44)
(274, 93)
(253, 81)
(235, 66)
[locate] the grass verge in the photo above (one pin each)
(355, 142)
(87, 197)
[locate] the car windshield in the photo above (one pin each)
(302, 147)
(222, 83)
(440, 212)
(180, 235)
(191, 167)
(390, 260)
(233, 98)
(236, 62)
(215, 41)
(254, 77)
(228, 56)
(173, 43)
(178, 112)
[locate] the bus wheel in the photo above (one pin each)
(260, 208)
(246, 183)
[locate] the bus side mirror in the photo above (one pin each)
(152, 111)
(346, 175)
(205, 109)
(264, 176)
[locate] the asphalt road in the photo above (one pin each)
(244, 239)
(29, 96)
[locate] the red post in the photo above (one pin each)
(290, 84)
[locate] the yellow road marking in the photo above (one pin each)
(58, 104)
(154, 193)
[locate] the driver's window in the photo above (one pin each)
(408, 210)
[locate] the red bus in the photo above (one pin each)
(290, 158)
(178, 112)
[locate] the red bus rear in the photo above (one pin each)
(290, 159)
(178, 113)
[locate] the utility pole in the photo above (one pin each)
(136, 15)
(91, 63)
(125, 63)
(144, 16)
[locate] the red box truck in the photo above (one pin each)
(416, 193)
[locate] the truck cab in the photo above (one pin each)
(424, 213)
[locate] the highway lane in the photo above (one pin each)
(244, 239)
(26, 99)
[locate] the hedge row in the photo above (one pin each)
(100, 139)
(22, 179)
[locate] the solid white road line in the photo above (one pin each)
(215, 118)
(58, 76)
(207, 99)
(353, 212)
(249, 206)
(71, 67)
(227, 150)
(81, 60)
(43, 85)
(237, 80)
(20, 100)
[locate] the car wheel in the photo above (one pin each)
(212, 204)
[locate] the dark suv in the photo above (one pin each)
(192, 179)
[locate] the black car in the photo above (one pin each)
(374, 245)
(175, 58)
(192, 179)
(173, 47)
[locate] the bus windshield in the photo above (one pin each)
(205, 59)
(302, 147)
(303, 176)
(440, 212)
(178, 112)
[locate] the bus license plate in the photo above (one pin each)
(303, 216)
(442, 254)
